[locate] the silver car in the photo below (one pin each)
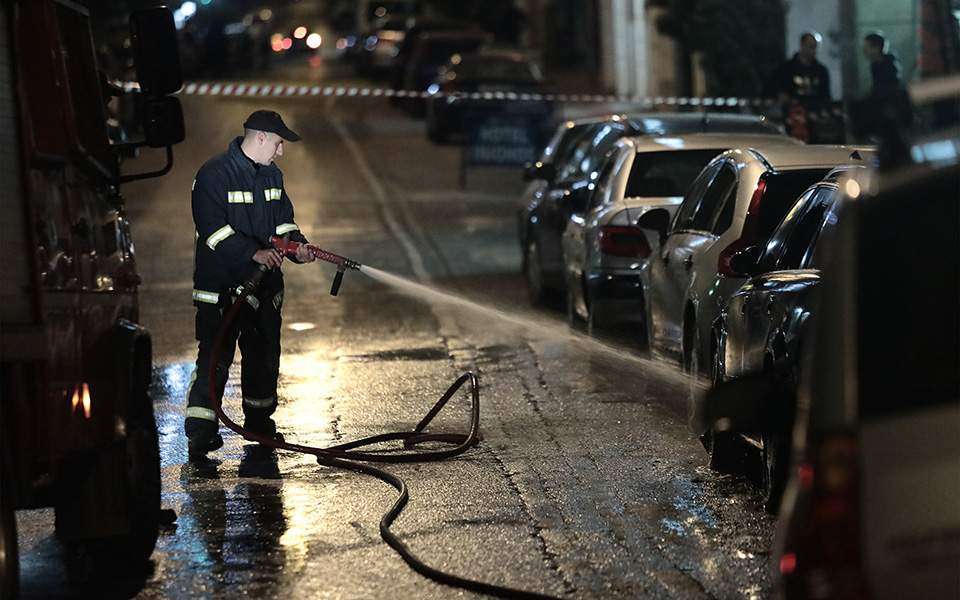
(606, 256)
(736, 202)
(566, 174)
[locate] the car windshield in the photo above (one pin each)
(498, 70)
(668, 173)
(440, 51)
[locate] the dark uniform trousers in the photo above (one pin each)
(257, 329)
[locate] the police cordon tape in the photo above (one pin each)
(294, 90)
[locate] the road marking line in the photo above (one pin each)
(409, 246)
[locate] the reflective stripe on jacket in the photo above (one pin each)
(236, 208)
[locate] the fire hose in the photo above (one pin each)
(348, 456)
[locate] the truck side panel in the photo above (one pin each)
(16, 279)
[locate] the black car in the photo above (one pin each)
(430, 52)
(565, 176)
(762, 327)
(478, 73)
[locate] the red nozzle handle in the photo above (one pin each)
(290, 248)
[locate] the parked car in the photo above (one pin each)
(870, 509)
(431, 51)
(563, 178)
(736, 202)
(415, 28)
(490, 71)
(605, 254)
(763, 327)
(378, 48)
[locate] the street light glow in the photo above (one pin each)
(188, 9)
(314, 40)
(300, 32)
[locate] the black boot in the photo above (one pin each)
(202, 442)
(264, 426)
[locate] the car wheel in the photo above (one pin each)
(775, 471)
(92, 559)
(9, 556)
(723, 450)
(691, 365)
(533, 272)
(573, 319)
(722, 447)
(592, 328)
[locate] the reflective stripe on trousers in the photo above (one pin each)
(259, 402)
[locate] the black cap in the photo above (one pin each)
(268, 120)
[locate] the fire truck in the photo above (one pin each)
(77, 429)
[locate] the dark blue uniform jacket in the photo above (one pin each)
(237, 207)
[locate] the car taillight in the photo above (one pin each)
(747, 234)
(619, 240)
(823, 559)
(723, 262)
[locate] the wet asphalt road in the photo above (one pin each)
(587, 483)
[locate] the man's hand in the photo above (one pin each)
(268, 257)
(304, 255)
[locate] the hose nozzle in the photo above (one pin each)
(343, 263)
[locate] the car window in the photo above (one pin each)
(692, 198)
(560, 148)
(804, 235)
(714, 198)
(562, 154)
(775, 246)
(665, 174)
(781, 193)
(578, 152)
(603, 181)
(723, 214)
(498, 70)
(602, 143)
(810, 256)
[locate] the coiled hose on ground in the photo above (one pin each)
(346, 456)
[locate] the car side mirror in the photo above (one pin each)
(163, 122)
(155, 51)
(539, 170)
(746, 262)
(657, 220)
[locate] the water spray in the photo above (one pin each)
(290, 249)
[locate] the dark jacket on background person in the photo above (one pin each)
(886, 76)
(237, 206)
(809, 84)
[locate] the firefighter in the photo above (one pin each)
(239, 202)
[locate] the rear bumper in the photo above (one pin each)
(616, 297)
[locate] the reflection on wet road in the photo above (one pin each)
(587, 482)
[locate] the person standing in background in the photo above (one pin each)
(884, 67)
